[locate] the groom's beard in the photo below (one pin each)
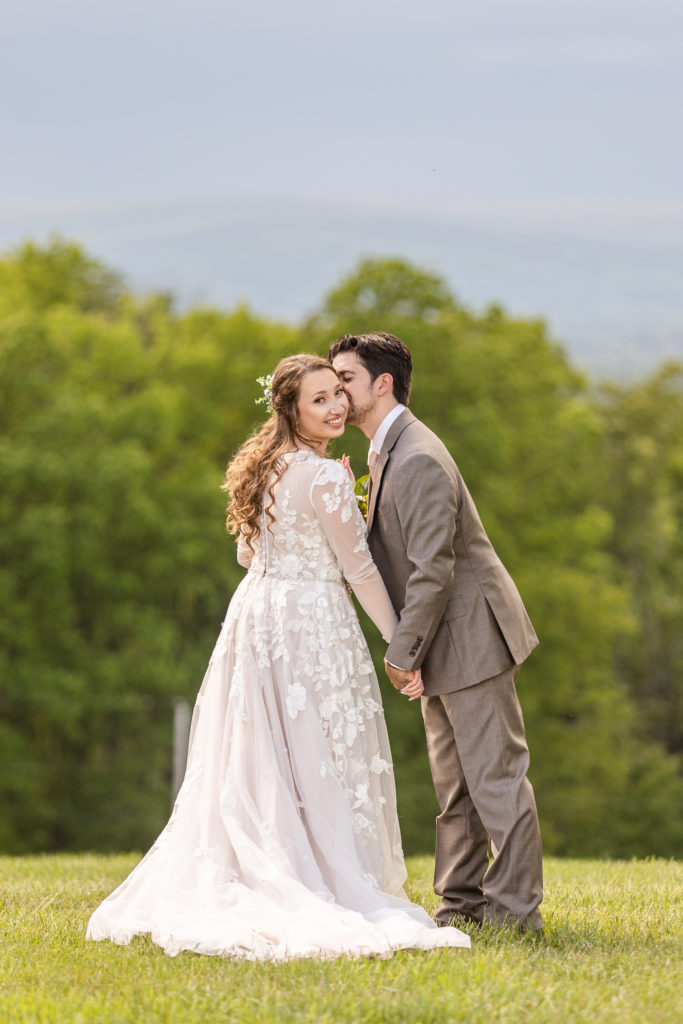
(357, 414)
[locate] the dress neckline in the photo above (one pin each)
(305, 452)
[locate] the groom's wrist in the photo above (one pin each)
(391, 664)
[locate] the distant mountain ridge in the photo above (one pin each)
(609, 286)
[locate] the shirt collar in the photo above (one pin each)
(379, 437)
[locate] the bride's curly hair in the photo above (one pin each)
(257, 466)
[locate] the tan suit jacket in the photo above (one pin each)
(461, 617)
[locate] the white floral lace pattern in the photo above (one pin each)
(284, 838)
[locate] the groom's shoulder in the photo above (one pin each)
(418, 437)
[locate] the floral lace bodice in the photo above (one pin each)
(319, 534)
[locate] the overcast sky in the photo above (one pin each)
(417, 103)
(528, 151)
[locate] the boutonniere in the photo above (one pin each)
(360, 486)
(361, 489)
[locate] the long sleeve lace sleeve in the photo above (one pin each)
(335, 505)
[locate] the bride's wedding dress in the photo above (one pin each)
(284, 839)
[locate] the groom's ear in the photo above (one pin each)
(385, 382)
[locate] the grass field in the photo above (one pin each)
(611, 953)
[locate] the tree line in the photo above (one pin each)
(118, 413)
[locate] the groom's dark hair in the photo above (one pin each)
(379, 353)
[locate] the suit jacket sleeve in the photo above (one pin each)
(427, 501)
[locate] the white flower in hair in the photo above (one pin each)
(267, 397)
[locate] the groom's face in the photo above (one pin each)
(358, 385)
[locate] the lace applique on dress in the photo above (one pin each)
(284, 838)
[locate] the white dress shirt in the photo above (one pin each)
(379, 437)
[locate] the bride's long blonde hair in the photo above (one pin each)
(255, 468)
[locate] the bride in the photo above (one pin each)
(284, 840)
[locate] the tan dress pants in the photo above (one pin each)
(479, 759)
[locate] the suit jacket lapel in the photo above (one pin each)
(395, 431)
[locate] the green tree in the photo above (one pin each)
(643, 467)
(59, 274)
(523, 427)
(383, 290)
(117, 416)
(111, 551)
(117, 419)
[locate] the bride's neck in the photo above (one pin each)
(317, 449)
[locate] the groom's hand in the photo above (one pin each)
(409, 683)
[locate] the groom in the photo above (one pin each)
(462, 622)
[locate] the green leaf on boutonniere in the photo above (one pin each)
(362, 494)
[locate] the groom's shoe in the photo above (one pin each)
(458, 921)
(532, 925)
(465, 908)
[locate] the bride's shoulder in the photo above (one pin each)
(304, 463)
(329, 471)
(308, 467)
(302, 457)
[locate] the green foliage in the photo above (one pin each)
(59, 274)
(643, 468)
(383, 290)
(117, 416)
(526, 433)
(613, 932)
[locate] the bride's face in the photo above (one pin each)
(322, 407)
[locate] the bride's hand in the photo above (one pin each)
(415, 688)
(346, 463)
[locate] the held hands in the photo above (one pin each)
(409, 683)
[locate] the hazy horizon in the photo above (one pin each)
(525, 151)
(608, 289)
